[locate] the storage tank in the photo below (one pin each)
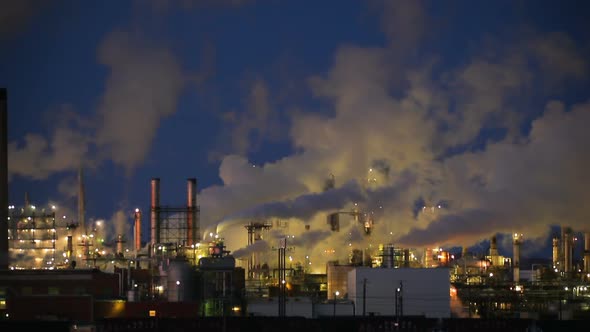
(179, 280)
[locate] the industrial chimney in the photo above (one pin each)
(567, 251)
(4, 255)
(555, 251)
(155, 212)
(137, 231)
(516, 259)
(191, 213)
(587, 252)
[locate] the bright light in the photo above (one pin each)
(98, 223)
(136, 210)
(337, 293)
(177, 283)
(53, 207)
(491, 274)
(566, 288)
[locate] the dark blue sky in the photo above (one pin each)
(273, 82)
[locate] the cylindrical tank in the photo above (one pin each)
(191, 203)
(155, 210)
(137, 230)
(179, 280)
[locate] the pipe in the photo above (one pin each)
(191, 203)
(155, 212)
(137, 230)
(4, 255)
(516, 258)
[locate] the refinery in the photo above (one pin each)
(69, 267)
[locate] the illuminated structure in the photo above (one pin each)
(32, 233)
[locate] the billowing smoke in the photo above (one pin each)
(415, 131)
(142, 89)
(305, 206)
(260, 246)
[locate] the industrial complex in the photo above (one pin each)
(64, 267)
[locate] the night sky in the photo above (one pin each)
(481, 107)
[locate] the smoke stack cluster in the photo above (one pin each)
(4, 255)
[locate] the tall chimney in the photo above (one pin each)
(516, 259)
(556, 252)
(567, 252)
(69, 247)
(137, 231)
(155, 212)
(191, 216)
(4, 255)
(81, 202)
(587, 252)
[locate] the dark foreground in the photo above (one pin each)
(294, 324)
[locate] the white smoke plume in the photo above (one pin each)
(425, 123)
(142, 89)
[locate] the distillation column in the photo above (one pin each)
(516, 259)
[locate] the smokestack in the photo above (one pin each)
(4, 256)
(137, 231)
(120, 242)
(567, 252)
(191, 216)
(69, 247)
(81, 201)
(27, 201)
(155, 212)
(516, 259)
(587, 252)
(556, 252)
